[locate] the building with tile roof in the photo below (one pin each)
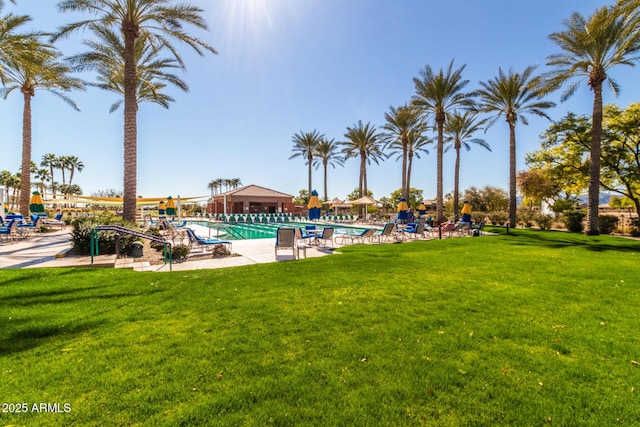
(252, 199)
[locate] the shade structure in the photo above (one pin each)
(314, 206)
(171, 206)
(466, 211)
(422, 209)
(6, 208)
(403, 208)
(366, 201)
(36, 205)
(162, 208)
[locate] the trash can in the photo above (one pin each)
(136, 249)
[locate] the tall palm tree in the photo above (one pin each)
(305, 145)
(159, 20)
(402, 123)
(213, 186)
(327, 154)
(366, 143)
(590, 49)
(50, 160)
(42, 175)
(512, 96)
(46, 74)
(459, 131)
(15, 46)
(74, 164)
(437, 94)
(235, 183)
(418, 142)
(106, 57)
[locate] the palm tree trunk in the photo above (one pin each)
(409, 166)
(405, 189)
(130, 126)
(440, 118)
(309, 160)
(512, 174)
(456, 183)
(326, 197)
(594, 167)
(25, 178)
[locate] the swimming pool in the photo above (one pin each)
(241, 231)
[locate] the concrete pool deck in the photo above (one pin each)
(51, 250)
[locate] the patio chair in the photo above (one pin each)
(206, 244)
(10, 231)
(325, 236)
(384, 234)
(476, 229)
(25, 230)
(286, 240)
(355, 237)
(413, 230)
(56, 222)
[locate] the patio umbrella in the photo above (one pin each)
(466, 211)
(171, 207)
(161, 209)
(6, 208)
(36, 205)
(314, 206)
(403, 207)
(422, 209)
(366, 201)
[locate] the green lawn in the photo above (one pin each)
(531, 328)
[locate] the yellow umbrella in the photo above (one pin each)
(171, 206)
(161, 208)
(403, 208)
(466, 211)
(36, 204)
(314, 205)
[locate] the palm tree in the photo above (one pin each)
(590, 48)
(365, 142)
(418, 142)
(403, 124)
(459, 131)
(305, 145)
(47, 74)
(74, 164)
(159, 20)
(50, 160)
(213, 186)
(106, 56)
(42, 175)
(235, 183)
(327, 154)
(513, 95)
(437, 94)
(14, 46)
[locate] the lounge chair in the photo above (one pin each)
(414, 230)
(56, 222)
(25, 230)
(286, 240)
(476, 229)
(325, 236)
(384, 234)
(10, 231)
(356, 237)
(206, 244)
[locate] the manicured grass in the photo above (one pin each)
(530, 328)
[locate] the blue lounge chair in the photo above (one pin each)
(206, 244)
(9, 232)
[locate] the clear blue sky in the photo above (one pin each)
(296, 65)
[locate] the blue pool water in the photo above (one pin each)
(240, 231)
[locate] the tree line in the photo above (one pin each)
(589, 47)
(130, 47)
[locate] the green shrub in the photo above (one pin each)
(607, 223)
(81, 235)
(155, 231)
(478, 216)
(498, 217)
(526, 218)
(544, 221)
(635, 227)
(180, 252)
(573, 220)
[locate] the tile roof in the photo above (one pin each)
(255, 191)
